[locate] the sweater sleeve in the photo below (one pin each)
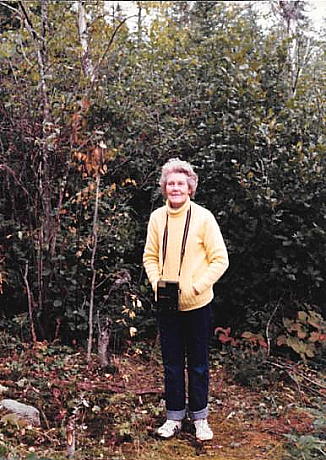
(151, 253)
(216, 255)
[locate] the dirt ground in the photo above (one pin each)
(114, 412)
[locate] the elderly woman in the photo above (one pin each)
(184, 245)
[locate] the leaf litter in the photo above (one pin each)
(117, 409)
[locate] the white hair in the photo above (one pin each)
(175, 165)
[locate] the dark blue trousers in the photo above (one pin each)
(184, 343)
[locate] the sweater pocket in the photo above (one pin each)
(188, 295)
(189, 299)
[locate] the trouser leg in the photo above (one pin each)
(173, 355)
(198, 330)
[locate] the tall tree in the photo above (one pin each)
(299, 43)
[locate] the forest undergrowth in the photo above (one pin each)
(277, 414)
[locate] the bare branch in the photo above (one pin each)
(9, 7)
(30, 303)
(13, 174)
(97, 66)
(112, 38)
(28, 21)
(267, 329)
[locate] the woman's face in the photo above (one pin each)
(177, 189)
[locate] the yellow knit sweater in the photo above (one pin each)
(205, 258)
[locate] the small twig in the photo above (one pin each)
(267, 329)
(102, 282)
(45, 419)
(323, 387)
(28, 21)
(12, 172)
(301, 375)
(50, 438)
(30, 303)
(147, 391)
(312, 390)
(230, 414)
(288, 370)
(71, 436)
(97, 66)
(5, 4)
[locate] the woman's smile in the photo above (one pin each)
(177, 189)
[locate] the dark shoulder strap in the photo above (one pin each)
(165, 238)
(184, 239)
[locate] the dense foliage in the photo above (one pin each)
(89, 117)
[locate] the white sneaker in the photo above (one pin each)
(203, 431)
(169, 428)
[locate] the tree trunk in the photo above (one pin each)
(139, 23)
(87, 64)
(92, 294)
(46, 228)
(103, 342)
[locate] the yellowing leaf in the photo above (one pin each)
(132, 331)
